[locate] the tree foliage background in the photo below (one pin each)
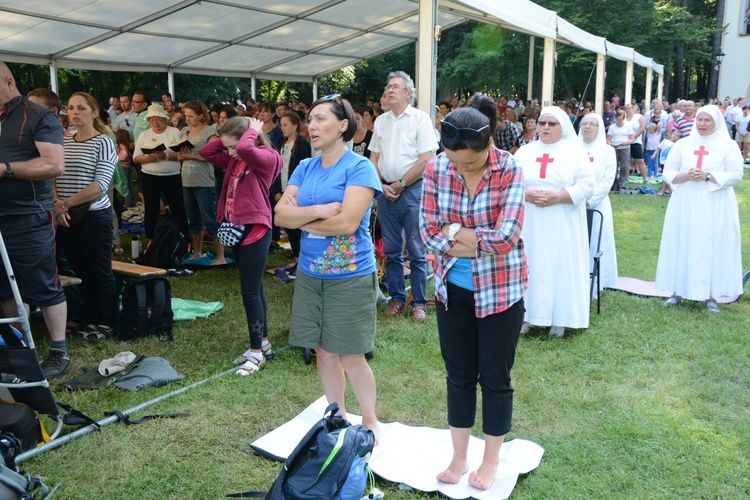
(471, 57)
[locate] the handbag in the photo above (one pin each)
(78, 212)
(232, 234)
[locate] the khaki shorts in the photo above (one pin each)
(340, 316)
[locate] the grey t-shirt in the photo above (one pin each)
(198, 173)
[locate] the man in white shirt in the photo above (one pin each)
(126, 119)
(403, 142)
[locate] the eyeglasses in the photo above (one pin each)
(591, 124)
(330, 97)
(127, 123)
(547, 124)
(138, 102)
(394, 87)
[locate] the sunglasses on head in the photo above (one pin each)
(330, 97)
(467, 134)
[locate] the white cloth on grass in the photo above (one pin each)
(414, 455)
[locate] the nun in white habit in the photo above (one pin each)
(559, 179)
(700, 256)
(604, 161)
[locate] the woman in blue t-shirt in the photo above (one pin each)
(328, 197)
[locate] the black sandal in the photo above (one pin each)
(101, 332)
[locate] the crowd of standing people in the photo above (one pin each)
(497, 191)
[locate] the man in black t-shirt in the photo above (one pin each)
(31, 156)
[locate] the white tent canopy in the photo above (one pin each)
(291, 40)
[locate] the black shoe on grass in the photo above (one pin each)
(55, 364)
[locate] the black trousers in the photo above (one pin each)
(478, 350)
(251, 261)
(154, 186)
(88, 248)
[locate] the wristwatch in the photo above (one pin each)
(8, 171)
(708, 176)
(453, 230)
(402, 183)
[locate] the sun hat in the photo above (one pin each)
(156, 110)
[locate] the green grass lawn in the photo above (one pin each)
(646, 403)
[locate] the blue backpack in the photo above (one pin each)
(330, 463)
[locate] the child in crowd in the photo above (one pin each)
(125, 157)
(662, 152)
(653, 138)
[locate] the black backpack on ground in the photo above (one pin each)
(169, 245)
(146, 309)
(15, 484)
(329, 463)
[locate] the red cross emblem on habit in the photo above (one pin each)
(701, 152)
(591, 158)
(544, 160)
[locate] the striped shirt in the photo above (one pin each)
(685, 125)
(499, 270)
(92, 160)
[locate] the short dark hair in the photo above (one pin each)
(481, 113)
(446, 104)
(51, 100)
(144, 94)
(341, 110)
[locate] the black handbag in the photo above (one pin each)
(78, 212)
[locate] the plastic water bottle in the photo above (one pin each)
(135, 247)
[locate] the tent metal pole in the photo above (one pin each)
(170, 83)
(112, 419)
(53, 81)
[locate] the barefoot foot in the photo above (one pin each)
(456, 469)
(375, 428)
(484, 477)
(218, 262)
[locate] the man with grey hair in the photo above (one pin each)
(403, 141)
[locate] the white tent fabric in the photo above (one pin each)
(642, 60)
(620, 52)
(572, 35)
(518, 15)
(658, 68)
(283, 40)
(292, 40)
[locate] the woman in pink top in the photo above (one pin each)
(251, 166)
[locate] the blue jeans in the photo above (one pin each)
(653, 164)
(399, 222)
(200, 206)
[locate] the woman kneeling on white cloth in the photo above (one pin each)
(604, 161)
(559, 179)
(700, 256)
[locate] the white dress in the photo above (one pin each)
(604, 161)
(556, 237)
(700, 255)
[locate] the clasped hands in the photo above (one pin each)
(696, 174)
(542, 198)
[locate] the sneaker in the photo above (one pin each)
(672, 301)
(557, 332)
(55, 364)
(274, 248)
(525, 328)
(292, 273)
(712, 306)
(282, 276)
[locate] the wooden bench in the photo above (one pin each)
(68, 280)
(128, 270)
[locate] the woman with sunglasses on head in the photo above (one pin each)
(471, 217)
(559, 179)
(328, 197)
(604, 161)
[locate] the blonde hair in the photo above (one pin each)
(99, 125)
(651, 127)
